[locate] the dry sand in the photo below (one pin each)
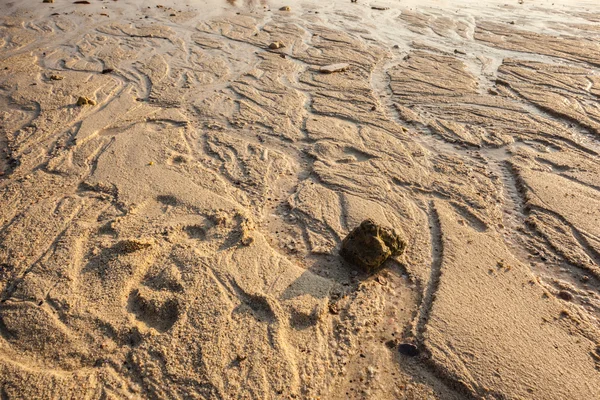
(178, 237)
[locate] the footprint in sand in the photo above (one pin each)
(155, 309)
(168, 200)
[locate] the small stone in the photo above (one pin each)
(408, 349)
(247, 240)
(48, 1)
(84, 101)
(372, 371)
(276, 45)
(285, 8)
(379, 8)
(107, 70)
(333, 309)
(56, 77)
(564, 295)
(330, 69)
(369, 245)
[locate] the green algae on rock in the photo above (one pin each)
(369, 245)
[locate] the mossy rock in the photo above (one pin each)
(369, 245)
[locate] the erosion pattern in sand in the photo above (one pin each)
(179, 239)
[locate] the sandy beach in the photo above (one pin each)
(177, 180)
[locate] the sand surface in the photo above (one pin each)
(179, 237)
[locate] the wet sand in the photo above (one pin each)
(178, 236)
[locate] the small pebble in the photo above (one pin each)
(408, 349)
(563, 294)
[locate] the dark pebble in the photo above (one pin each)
(563, 294)
(408, 349)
